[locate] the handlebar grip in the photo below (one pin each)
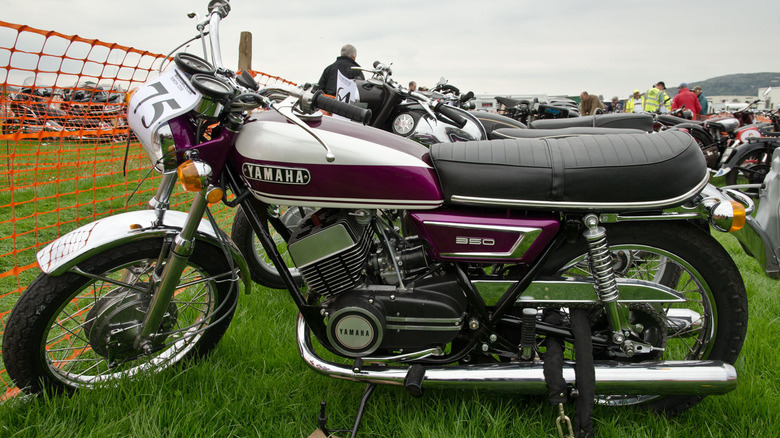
(452, 114)
(352, 112)
(467, 97)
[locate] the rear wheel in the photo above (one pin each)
(710, 324)
(261, 268)
(77, 330)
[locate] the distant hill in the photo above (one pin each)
(746, 84)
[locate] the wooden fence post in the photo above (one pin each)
(245, 51)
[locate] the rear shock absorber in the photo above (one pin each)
(604, 277)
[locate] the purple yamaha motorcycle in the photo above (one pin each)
(507, 255)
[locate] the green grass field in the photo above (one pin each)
(255, 385)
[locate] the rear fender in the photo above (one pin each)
(104, 234)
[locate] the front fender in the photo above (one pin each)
(103, 234)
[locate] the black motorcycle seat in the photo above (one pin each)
(504, 133)
(612, 120)
(666, 119)
(620, 171)
(509, 102)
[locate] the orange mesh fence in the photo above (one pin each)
(64, 154)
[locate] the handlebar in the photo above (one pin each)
(352, 112)
(452, 114)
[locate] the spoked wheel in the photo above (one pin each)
(77, 330)
(710, 324)
(260, 266)
(751, 169)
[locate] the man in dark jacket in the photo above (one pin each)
(343, 64)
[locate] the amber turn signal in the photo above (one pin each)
(194, 175)
(739, 216)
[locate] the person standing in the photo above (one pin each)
(705, 106)
(686, 99)
(635, 103)
(344, 63)
(590, 104)
(614, 106)
(656, 99)
(412, 86)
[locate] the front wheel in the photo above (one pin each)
(751, 169)
(709, 325)
(77, 329)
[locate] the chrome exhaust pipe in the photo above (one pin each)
(694, 377)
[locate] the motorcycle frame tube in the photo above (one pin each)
(256, 214)
(256, 211)
(212, 151)
(656, 378)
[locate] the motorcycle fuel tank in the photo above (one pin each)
(285, 165)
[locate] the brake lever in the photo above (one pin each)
(285, 109)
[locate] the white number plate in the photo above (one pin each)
(160, 100)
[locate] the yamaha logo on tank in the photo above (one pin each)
(278, 175)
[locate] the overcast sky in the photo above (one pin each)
(490, 47)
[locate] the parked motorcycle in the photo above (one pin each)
(449, 94)
(750, 163)
(426, 117)
(76, 113)
(31, 111)
(506, 257)
(528, 110)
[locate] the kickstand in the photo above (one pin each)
(366, 395)
(323, 419)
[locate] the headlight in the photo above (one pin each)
(162, 151)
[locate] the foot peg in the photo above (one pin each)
(414, 379)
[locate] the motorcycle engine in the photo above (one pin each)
(366, 311)
(330, 249)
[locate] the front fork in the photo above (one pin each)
(603, 272)
(168, 274)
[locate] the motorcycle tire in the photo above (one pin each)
(261, 269)
(689, 260)
(74, 330)
(751, 169)
(707, 145)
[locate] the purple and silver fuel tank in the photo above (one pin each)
(285, 165)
